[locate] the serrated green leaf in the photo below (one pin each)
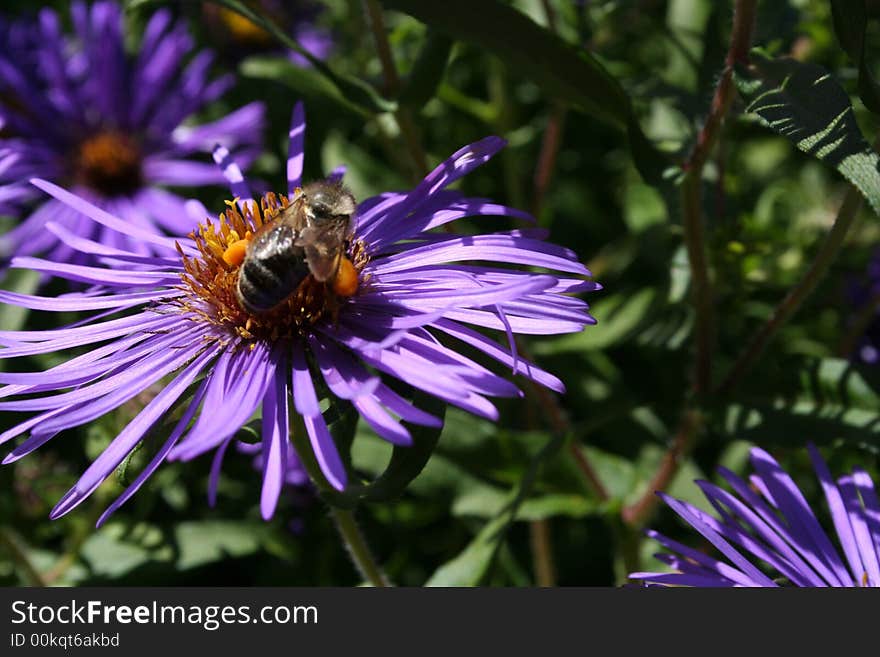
(836, 401)
(803, 102)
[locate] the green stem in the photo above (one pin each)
(701, 285)
(542, 553)
(547, 403)
(636, 514)
(629, 541)
(405, 121)
(691, 197)
(852, 201)
(358, 548)
(552, 139)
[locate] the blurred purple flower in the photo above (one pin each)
(769, 519)
(79, 111)
(415, 286)
(863, 295)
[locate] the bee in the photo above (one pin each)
(308, 237)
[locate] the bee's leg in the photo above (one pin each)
(331, 303)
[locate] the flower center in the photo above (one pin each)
(110, 163)
(211, 278)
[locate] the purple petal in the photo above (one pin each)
(296, 148)
(796, 510)
(129, 437)
(216, 466)
(100, 216)
(383, 424)
(861, 533)
(838, 513)
(325, 451)
(159, 457)
(804, 548)
(275, 440)
(233, 175)
(304, 398)
(697, 519)
(237, 386)
(706, 562)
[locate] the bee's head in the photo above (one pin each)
(329, 201)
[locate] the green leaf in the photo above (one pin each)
(206, 541)
(21, 281)
(619, 317)
(427, 72)
(306, 82)
(850, 24)
(488, 502)
(471, 565)
(803, 102)
(113, 551)
(565, 72)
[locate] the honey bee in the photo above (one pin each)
(308, 237)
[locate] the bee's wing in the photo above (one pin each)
(293, 215)
(323, 248)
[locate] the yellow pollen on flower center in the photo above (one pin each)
(109, 162)
(211, 278)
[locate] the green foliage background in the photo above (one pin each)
(628, 112)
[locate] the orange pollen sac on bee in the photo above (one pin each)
(346, 282)
(234, 253)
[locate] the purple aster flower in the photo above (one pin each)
(417, 295)
(767, 532)
(78, 110)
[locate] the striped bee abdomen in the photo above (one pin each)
(272, 269)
